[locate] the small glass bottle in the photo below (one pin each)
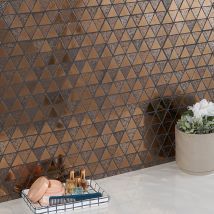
(70, 183)
(78, 188)
(84, 182)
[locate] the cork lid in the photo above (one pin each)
(38, 189)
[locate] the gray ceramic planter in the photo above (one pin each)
(194, 152)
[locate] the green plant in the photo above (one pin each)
(199, 119)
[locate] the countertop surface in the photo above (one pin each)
(162, 189)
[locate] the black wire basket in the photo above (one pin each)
(64, 206)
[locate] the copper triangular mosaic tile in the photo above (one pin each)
(97, 84)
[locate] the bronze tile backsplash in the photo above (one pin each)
(97, 84)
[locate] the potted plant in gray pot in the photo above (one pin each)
(194, 137)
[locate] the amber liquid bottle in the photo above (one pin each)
(70, 183)
(84, 182)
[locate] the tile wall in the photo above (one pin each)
(97, 84)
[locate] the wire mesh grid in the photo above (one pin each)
(36, 208)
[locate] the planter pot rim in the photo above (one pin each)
(184, 133)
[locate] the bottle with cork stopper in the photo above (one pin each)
(70, 183)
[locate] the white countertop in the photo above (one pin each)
(162, 189)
